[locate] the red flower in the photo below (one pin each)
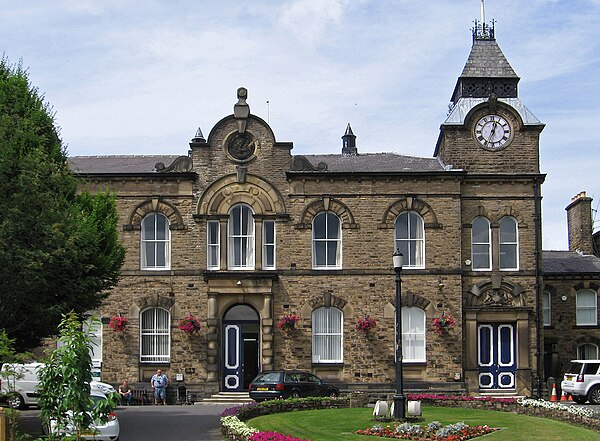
(365, 324)
(190, 324)
(118, 323)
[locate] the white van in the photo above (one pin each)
(18, 383)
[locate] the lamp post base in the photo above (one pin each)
(400, 407)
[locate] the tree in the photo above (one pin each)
(64, 385)
(59, 250)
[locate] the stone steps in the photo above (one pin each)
(227, 398)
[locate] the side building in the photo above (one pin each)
(239, 233)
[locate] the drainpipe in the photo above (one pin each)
(538, 296)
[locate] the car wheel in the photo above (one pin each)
(579, 399)
(334, 393)
(594, 395)
(15, 401)
(295, 394)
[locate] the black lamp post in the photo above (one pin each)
(399, 398)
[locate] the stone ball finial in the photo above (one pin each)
(242, 93)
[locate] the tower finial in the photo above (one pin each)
(482, 11)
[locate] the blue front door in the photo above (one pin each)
(233, 353)
(496, 355)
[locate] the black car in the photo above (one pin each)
(270, 385)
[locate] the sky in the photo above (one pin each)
(139, 77)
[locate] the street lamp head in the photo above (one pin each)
(397, 259)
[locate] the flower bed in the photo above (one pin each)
(433, 431)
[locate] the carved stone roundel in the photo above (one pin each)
(241, 146)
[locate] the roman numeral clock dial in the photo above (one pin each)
(493, 132)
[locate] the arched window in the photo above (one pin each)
(156, 242)
(587, 351)
(410, 239)
(481, 250)
(327, 241)
(327, 335)
(509, 243)
(586, 308)
(240, 232)
(93, 328)
(155, 335)
(413, 334)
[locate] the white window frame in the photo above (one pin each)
(582, 351)
(337, 241)
(154, 347)
(416, 244)
(237, 238)
(92, 327)
(488, 243)
(327, 335)
(144, 264)
(269, 225)
(410, 334)
(547, 308)
(584, 308)
(213, 245)
(504, 243)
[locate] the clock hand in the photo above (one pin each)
(492, 131)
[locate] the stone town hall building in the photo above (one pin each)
(241, 232)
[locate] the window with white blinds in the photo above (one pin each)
(327, 335)
(410, 239)
(155, 335)
(413, 334)
(93, 328)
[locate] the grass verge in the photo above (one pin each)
(340, 424)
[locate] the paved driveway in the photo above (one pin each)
(155, 423)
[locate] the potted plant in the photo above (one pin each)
(443, 322)
(365, 324)
(287, 323)
(118, 323)
(189, 324)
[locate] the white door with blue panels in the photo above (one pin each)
(240, 348)
(496, 355)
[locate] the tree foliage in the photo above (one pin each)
(59, 250)
(64, 385)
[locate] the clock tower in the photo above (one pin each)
(488, 128)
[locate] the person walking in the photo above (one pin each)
(159, 383)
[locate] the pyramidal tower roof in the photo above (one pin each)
(487, 71)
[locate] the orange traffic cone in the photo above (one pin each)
(553, 397)
(563, 396)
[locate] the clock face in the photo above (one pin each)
(493, 132)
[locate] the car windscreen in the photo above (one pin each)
(269, 377)
(574, 368)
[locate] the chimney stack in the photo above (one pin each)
(579, 221)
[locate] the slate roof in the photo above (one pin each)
(569, 262)
(118, 163)
(487, 60)
(366, 163)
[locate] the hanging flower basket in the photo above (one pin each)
(118, 323)
(287, 323)
(365, 324)
(189, 324)
(443, 322)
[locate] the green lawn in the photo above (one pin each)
(340, 424)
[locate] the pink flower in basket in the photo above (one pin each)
(365, 324)
(118, 323)
(189, 324)
(287, 322)
(443, 322)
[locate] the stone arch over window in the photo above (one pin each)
(260, 195)
(154, 300)
(155, 205)
(494, 216)
(326, 299)
(327, 203)
(409, 300)
(496, 293)
(410, 203)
